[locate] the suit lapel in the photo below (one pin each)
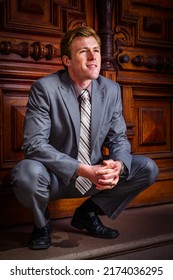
(71, 103)
(97, 111)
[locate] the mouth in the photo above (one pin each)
(92, 66)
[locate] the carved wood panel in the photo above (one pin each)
(13, 113)
(44, 17)
(143, 35)
(143, 58)
(152, 126)
(150, 22)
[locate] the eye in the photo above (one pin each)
(82, 51)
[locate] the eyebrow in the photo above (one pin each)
(84, 47)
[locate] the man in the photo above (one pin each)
(55, 166)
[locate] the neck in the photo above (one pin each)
(82, 84)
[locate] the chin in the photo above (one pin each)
(94, 76)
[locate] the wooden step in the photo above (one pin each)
(145, 233)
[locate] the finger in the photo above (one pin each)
(106, 181)
(105, 171)
(111, 163)
(106, 184)
(115, 181)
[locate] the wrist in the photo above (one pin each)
(122, 170)
(82, 170)
(76, 173)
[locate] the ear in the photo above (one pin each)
(65, 60)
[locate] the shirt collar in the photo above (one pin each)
(78, 89)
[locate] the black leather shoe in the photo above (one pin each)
(92, 224)
(40, 238)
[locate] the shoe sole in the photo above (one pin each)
(40, 247)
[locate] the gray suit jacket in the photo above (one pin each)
(52, 124)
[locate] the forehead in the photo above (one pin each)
(84, 42)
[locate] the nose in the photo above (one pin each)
(91, 55)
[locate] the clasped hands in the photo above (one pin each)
(108, 174)
(105, 176)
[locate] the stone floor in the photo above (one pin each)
(145, 233)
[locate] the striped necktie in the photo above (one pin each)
(83, 184)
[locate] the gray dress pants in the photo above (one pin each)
(34, 186)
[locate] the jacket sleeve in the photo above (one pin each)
(37, 129)
(116, 140)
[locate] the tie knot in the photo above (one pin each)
(84, 95)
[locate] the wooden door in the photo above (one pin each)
(144, 57)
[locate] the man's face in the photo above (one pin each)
(85, 62)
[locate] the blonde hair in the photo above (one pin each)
(73, 33)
